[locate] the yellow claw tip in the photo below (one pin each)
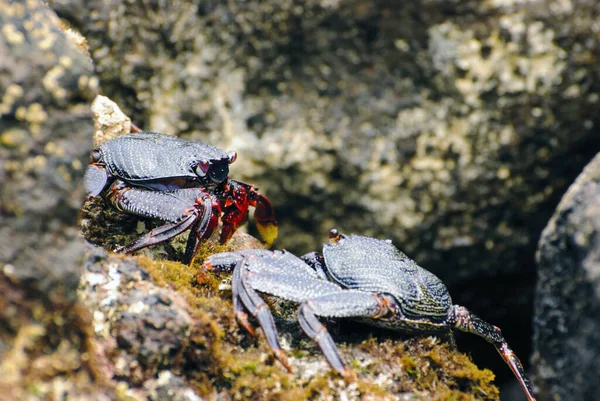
(268, 232)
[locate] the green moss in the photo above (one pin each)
(427, 365)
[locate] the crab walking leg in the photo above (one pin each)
(238, 305)
(94, 180)
(466, 321)
(209, 211)
(317, 297)
(182, 209)
(262, 261)
(258, 308)
(226, 261)
(346, 303)
(158, 235)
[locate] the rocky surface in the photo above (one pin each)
(167, 330)
(451, 128)
(46, 84)
(79, 323)
(567, 306)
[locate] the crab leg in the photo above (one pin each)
(348, 303)
(238, 306)
(203, 227)
(170, 230)
(266, 273)
(95, 179)
(183, 209)
(158, 235)
(466, 321)
(258, 308)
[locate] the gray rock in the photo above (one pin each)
(46, 82)
(566, 355)
(142, 326)
(451, 127)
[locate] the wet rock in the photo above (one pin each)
(451, 127)
(566, 355)
(46, 82)
(168, 330)
(109, 121)
(170, 387)
(143, 325)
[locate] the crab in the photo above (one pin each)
(184, 183)
(356, 277)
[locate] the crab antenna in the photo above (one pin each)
(466, 321)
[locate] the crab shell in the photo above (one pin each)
(158, 162)
(372, 265)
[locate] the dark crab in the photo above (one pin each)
(184, 183)
(356, 277)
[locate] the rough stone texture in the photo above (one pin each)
(566, 355)
(109, 121)
(46, 83)
(141, 328)
(167, 332)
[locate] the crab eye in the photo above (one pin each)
(232, 155)
(334, 235)
(95, 156)
(202, 168)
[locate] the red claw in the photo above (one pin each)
(235, 209)
(264, 215)
(237, 198)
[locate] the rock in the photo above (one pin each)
(142, 328)
(165, 319)
(566, 355)
(167, 331)
(46, 83)
(45, 135)
(109, 121)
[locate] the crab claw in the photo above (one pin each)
(235, 209)
(264, 216)
(238, 197)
